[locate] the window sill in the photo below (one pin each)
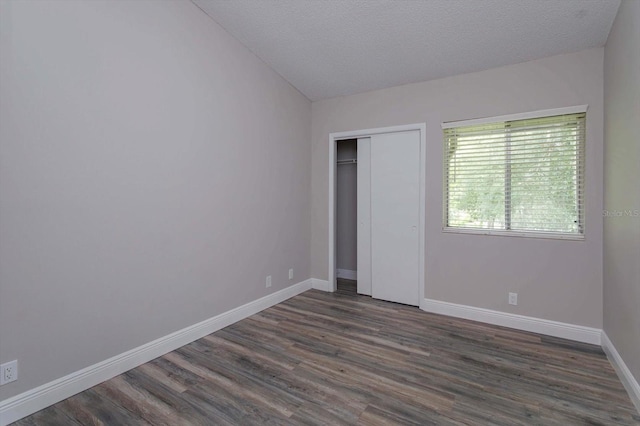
(520, 234)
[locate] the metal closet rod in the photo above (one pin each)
(348, 161)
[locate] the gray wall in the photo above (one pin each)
(556, 280)
(152, 173)
(622, 185)
(347, 207)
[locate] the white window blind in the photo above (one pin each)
(519, 176)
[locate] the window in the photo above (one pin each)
(516, 176)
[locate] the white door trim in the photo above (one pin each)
(333, 138)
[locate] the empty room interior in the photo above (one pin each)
(326, 212)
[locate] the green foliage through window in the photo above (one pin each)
(523, 175)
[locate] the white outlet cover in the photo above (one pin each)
(290, 274)
(268, 281)
(8, 372)
(513, 298)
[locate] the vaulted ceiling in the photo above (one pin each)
(328, 48)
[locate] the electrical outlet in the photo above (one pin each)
(268, 281)
(291, 273)
(513, 298)
(8, 372)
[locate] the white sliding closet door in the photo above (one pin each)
(364, 216)
(395, 207)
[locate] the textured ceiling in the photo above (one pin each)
(328, 48)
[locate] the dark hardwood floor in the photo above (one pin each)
(329, 359)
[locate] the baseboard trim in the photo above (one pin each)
(628, 381)
(347, 274)
(322, 285)
(520, 322)
(36, 399)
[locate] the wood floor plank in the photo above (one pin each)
(342, 358)
(187, 410)
(51, 416)
(138, 402)
(90, 408)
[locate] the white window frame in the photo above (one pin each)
(503, 232)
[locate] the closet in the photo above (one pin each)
(346, 207)
(387, 215)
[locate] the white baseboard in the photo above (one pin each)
(33, 400)
(520, 322)
(347, 274)
(320, 284)
(628, 381)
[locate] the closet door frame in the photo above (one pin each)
(333, 147)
